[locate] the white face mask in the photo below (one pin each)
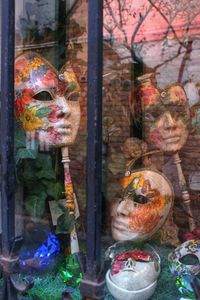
(47, 102)
(147, 200)
(133, 267)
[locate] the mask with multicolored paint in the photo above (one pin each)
(185, 259)
(46, 101)
(165, 114)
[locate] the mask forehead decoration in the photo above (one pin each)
(120, 261)
(165, 114)
(46, 101)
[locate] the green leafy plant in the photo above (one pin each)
(34, 171)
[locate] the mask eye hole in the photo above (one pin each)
(149, 117)
(189, 259)
(141, 199)
(43, 96)
(74, 97)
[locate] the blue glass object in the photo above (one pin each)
(43, 256)
(49, 247)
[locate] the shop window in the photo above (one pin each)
(106, 151)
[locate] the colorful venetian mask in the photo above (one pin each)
(165, 114)
(148, 197)
(46, 101)
(185, 259)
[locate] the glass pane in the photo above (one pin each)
(0, 100)
(50, 142)
(151, 142)
(150, 146)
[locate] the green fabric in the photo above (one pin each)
(49, 288)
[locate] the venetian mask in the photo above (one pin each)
(134, 271)
(144, 207)
(128, 268)
(185, 259)
(165, 114)
(46, 101)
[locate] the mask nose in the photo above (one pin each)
(130, 263)
(124, 208)
(64, 107)
(169, 122)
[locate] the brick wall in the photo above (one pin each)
(116, 125)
